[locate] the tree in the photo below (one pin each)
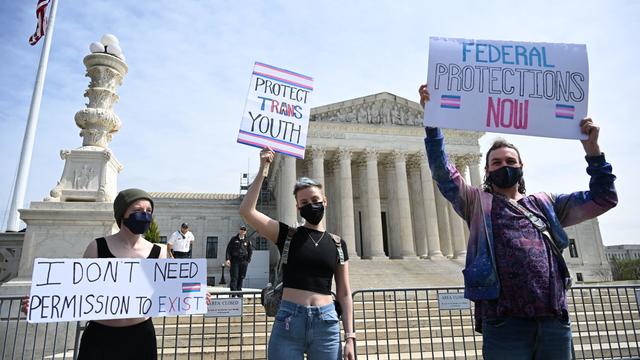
(153, 234)
(625, 269)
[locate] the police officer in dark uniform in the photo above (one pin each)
(238, 256)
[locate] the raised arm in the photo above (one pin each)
(263, 224)
(449, 180)
(583, 205)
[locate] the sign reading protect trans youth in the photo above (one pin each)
(277, 110)
(98, 289)
(510, 87)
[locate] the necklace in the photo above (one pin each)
(311, 238)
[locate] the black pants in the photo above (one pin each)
(136, 342)
(181, 254)
(238, 272)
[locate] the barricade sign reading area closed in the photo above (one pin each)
(453, 301)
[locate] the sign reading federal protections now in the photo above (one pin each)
(522, 88)
(100, 289)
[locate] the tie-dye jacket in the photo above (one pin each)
(474, 206)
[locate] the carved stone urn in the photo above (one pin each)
(90, 172)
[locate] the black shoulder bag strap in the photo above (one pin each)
(338, 241)
(542, 227)
(284, 256)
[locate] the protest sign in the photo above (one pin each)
(510, 87)
(276, 113)
(98, 289)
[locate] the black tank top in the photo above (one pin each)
(104, 252)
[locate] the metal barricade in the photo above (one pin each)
(391, 324)
(21, 340)
(407, 323)
(410, 324)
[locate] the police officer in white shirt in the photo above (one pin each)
(180, 242)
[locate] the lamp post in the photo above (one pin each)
(222, 280)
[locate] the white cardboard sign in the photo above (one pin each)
(522, 88)
(277, 110)
(98, 289)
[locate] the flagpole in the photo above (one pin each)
(20, 187)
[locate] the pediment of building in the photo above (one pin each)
(378, 109)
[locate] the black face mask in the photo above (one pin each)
(138, 222)
(312, 212)
(506, 176)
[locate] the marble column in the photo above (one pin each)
(430, 212)
(474, 169)
(457, 233)
(457, 223)
(404, 206)
(417, 206)
(347, 228)
(289, 213)
(444, 229)
(373, 225)
(393, 215)
(276, 170)
(332, 191)
(317, 173)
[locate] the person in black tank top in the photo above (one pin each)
(306, 321)
(122, 338)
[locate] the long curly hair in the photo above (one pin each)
(498, 144)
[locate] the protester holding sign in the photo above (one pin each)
(132, 338)
(514, 270)
(307, 321)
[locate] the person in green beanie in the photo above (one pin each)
(133, 338)
(132, 209)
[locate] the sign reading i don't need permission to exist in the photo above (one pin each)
(511, 87)
(277, 110)
(99, 289)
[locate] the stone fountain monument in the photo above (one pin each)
(80, 207)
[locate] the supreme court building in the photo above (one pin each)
(369, 154)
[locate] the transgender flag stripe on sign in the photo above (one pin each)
(283, 76)
(190, 287)
(564, 111)
(450, 101)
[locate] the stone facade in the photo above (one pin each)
(622, 252)
(369, 154)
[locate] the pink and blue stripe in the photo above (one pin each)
(281, 146)
(285, 71)
(284, 76)
(564, 111)
(450, 101)
(189, 287)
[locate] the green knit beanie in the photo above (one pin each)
(125, 198)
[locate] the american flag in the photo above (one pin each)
(42, 22)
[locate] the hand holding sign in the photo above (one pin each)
(266, 158)
(590, 145)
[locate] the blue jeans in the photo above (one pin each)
(299, 329)
(526, 338)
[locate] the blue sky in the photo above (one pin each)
(190, 63)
